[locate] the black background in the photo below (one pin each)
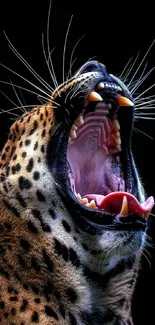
(111, 34)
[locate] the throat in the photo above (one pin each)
(93, 170)
(112, 292)
(94, 154)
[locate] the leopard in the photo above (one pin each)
(73, 210)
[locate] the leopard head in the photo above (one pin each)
(75, 153)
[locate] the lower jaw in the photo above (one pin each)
(96, 221)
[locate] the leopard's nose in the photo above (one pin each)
(93, 66)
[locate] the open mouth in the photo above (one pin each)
(101, 170)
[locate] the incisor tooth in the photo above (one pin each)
(92, 205)
(101, 85)
(78, 196)
(94, 96)
(84, 201)
(124, 209)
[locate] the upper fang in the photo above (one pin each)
(94, 97)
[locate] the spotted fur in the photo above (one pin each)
(54, 269)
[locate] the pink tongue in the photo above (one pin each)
(113, 202)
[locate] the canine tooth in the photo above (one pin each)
(123, 101)
(146, 214)
(79, 121)
(116, 125)
(124, 209)
(94, 96)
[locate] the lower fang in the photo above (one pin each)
(147, 213)
(124, 208)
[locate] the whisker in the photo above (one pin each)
(22, 97)
(64, 50)
(138, 130)
(17, 74)
(146, 90)
(145, 118)
(141, 80)
(77, 91)
(10, 100)
(71, 66)
(55, 129)
(18, 98)
(141, 63)
(150, 240)
(131, 68)
(73, 91)
(127, 64)
(26, 89)
(145, 250)
(19, 107)
(142, 113)
(28, 66)
(48, 47)
(141, 99)
(144, 108)
(8, 112)
(48, 63)
(41, 100)
(136, 84)
(71, 58)
(142, 103)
